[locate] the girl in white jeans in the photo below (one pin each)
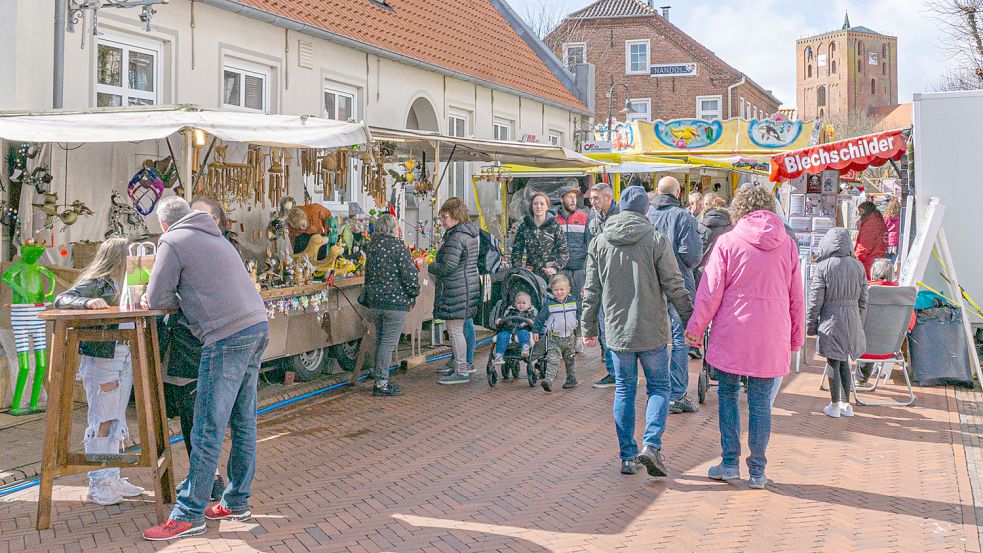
(106, 372)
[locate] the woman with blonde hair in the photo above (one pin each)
(105, 370)
(455, 270)
(752, 293)
(892, 220)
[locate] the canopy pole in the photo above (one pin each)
(188, 168)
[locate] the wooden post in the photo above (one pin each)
(188, 168)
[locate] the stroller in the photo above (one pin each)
(708, 376)
(515, 281)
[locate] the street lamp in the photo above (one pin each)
(628, 109)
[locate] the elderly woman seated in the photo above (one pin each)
(881, 274)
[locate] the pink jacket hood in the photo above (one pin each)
(762, 229)
(751, 292)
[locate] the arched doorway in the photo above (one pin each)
(422, 116)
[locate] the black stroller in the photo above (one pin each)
(708, 376)
(515, 281)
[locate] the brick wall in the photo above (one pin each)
(671, 97)
(847, 86)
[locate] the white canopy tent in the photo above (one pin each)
(478, 150)
(283, 131)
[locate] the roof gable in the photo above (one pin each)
(614, 8)
(469, 37)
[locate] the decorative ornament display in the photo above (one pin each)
(165, 168)
(8, 217)
(121, 212)
(313, 303)
(145, 189)
(48, 206)
(70, 216)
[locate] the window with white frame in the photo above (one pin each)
(708, 108)
(340, 102)
(460, 172)
(636, 57)
(555, 138)
(642, 109)
(127, 71)
(503, 129)
(743, 108)
(574, 53)
(245, 86)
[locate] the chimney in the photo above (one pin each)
(665, 9)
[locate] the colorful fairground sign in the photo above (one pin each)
(696, 136)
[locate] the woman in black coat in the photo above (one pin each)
(455, 269)
(391, 287)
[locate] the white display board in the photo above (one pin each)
(920, 252)
(947, 166)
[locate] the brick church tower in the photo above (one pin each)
(847, 71)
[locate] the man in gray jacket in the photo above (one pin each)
(200, 272)
(680, 228)
(631, 270)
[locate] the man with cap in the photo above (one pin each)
(631, 270)
(573, 221)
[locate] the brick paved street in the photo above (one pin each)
(512, 469)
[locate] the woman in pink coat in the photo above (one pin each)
(752, 293)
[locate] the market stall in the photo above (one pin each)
(74, 179)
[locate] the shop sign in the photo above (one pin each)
(845, 155)
(777, 132)
(673, 70)
(688, 134)
(597, 147)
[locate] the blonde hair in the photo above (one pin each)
(297, 219)
(522, 295)
(456, 209)
(109, 262)
(559, 279)
(893, 208)
(750, 199)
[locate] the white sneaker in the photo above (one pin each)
(846, 409)
(832, 410)
(123, 488)
(101, 493)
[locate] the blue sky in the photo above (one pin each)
(758, 36)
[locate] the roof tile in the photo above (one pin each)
(614, 8)
(468, 36)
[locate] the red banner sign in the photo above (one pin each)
(855, 154)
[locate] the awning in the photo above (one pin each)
(133, 125)
(845, 155)
(647, 167)
(478, 150)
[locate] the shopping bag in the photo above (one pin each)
(140, 263)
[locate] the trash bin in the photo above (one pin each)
(938, 348)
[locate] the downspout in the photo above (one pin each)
(58, 72)
(730, 90)
(286, 23)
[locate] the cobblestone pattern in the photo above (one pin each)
(471, 468)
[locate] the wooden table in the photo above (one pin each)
(70, 328)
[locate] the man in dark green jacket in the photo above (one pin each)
(631, 270)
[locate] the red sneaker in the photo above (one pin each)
(221, 512)
(172, 529)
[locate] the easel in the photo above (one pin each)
(931, 236)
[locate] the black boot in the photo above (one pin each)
(652, 460)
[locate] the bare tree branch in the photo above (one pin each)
(543, 16)
(961, 22)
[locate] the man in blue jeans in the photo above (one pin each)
(602, 207)
(200, 272)
(681, 228)
(630, 271)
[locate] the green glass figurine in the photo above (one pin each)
(332, 224)
(24, 277)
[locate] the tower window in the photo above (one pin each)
(873, 86)
(821, 96)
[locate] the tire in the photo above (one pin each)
(307, 365)
(515, 370)
(701, 387)
(531, 375)
(492, 375)
(346, 354)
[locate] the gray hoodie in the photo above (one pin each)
(631, 270)
(199, 271)
(838, 298)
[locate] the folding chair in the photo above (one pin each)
(886, 324)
